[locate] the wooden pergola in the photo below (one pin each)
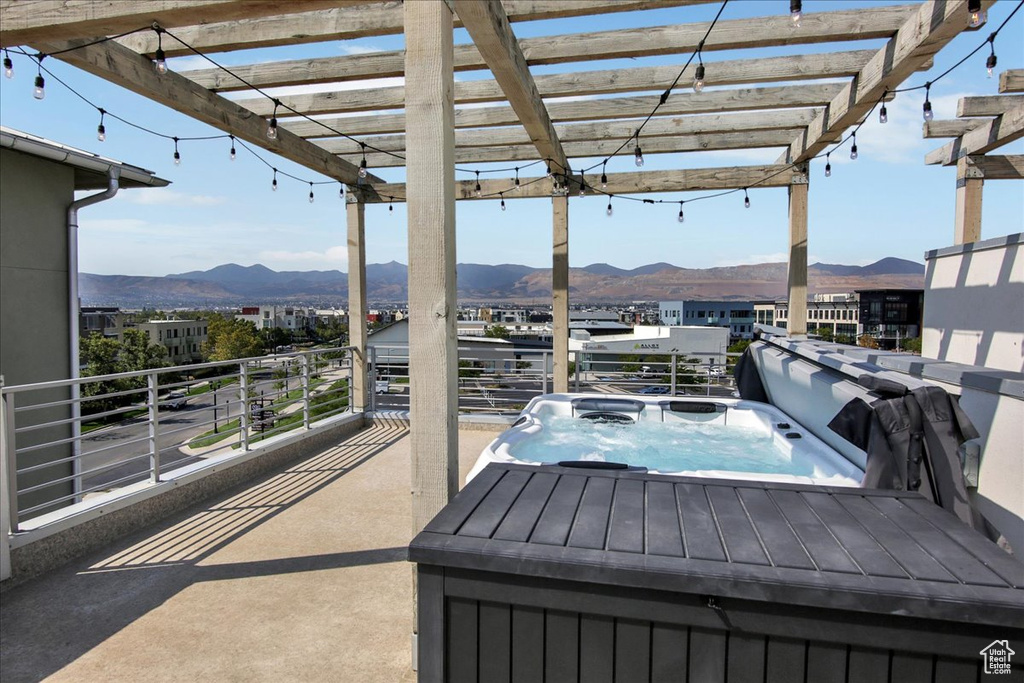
(428, 135)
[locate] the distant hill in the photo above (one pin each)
(234, 285)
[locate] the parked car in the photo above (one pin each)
(656, 390)
(176, 400)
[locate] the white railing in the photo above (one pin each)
(504, 380)
(67, 440)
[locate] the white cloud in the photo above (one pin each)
(335, 257)
(359, 49)
(160, 196)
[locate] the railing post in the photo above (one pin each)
(305, 391)
(9, 461)
(243, 414)
(371, 378)
(674, 358)
(544, 372)
(153, 401)
(576, 380)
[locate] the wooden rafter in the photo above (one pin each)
(120, 65)
(991, 135)
(656, 145)
(378, 19)
(659, 40)
(930, 28)
(950, 128)
(689, 180)
(738, 99)
(602, 130)
(987, 105)
(28, 21)
(582, 84)
(492, 34)
(997, 167)
(1011, 80)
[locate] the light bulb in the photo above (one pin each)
(160, 63)
(39, 92)
(928, 115)
(638, 156)
(746, 200)
(680, 216)
(698, 78)
(609, 209)
(273, 185)
(795, 12)
(853, 152)
(883, 115)
(583, 190)
(549, 170)
(101, 132)
(8, 67)
(604, 181)
(341, 191)
(828, 168)
(990, 63)
(502, 204)
(232, 155)
(272, 129)
(362, 168)
(177, 159)
(311, 196)
(391, 207)
(518, 186)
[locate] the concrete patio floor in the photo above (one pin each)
(300, 576)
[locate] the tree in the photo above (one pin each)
(497, 331)
(912, 345)
(230, 339)
(740, 346)
(138, 354)
(825, 333)
(867, 341)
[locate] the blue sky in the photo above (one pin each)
(887, 203)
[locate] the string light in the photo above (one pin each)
(391, 205)
(828, 165)
(583, 185)
(549, 170)
(927, 107)
(273, 183)
(272, 128)
(746, 199)
(160, 61)
(698, 76)
(637, 154)
(311, 192)
(990, 63)
(39, 92)
(608, 211)
(883, 115)
(177, 157)
(8, 65)
(680, 217)
(231, 154)
(518, 188)
(977, 16)
(853, 150)
(604, 176)
(101, 130)
(795, 12)
(341, 190)
(502, 200)
(477, 188)
(362, 164)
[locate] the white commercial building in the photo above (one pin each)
(708, 344)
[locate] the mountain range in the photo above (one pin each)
(234, 285)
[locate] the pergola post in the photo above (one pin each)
(969, 182)
(356, 214)
(798, 258)
(433, 355)
(560, 293)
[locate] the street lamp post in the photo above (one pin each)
(216, 385)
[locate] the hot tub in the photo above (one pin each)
(714, 437)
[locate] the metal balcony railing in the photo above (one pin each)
(67, 440)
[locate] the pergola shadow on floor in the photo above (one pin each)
(301, 575)
(750, 103)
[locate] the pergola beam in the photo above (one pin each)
(123, 67)
(598, 130)
(350, 23)
(987, 105)
(1011, 80)
(639, 182)
(928, 30)
(737, 99)
(737, 72)
(658, 145)
(616, 44)
(989, 136)
(489, 28)
(950, 128)
(996, 167)
(30, 21)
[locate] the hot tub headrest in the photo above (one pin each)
(693, 406)
(607, 405)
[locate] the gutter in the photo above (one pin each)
(74, 306)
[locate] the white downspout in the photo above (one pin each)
(113, 180)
